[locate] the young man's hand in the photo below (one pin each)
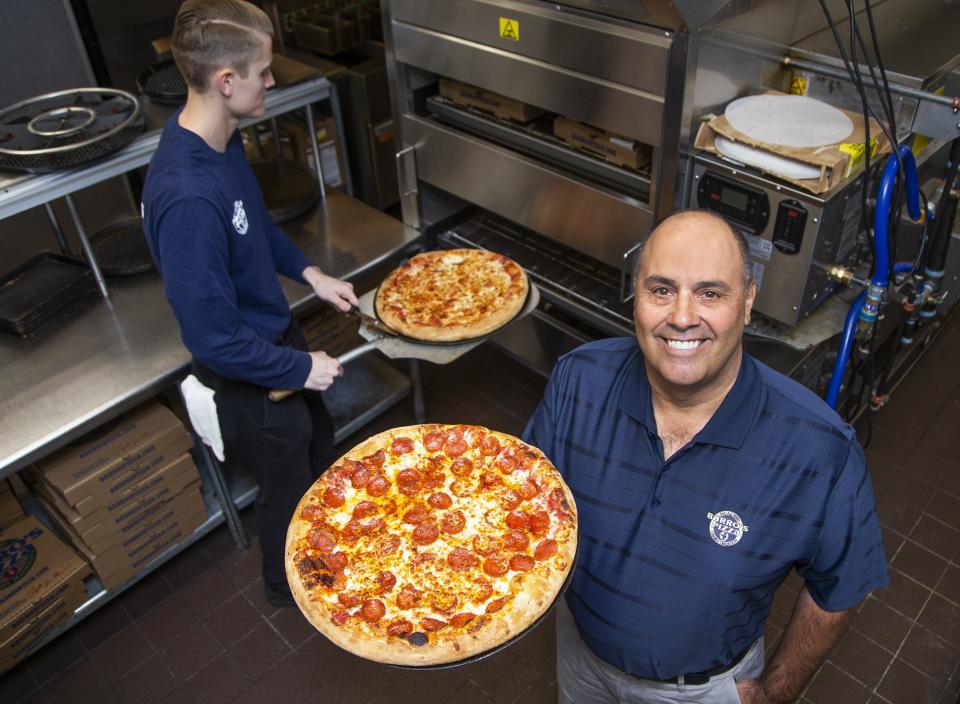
(324, 370)
(334, 291)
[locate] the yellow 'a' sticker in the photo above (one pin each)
(509, 29)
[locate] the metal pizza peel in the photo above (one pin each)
(395, 346)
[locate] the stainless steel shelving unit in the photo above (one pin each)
(79, 371)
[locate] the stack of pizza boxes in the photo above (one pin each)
(41, 586)
(126, 496)
(10, 509)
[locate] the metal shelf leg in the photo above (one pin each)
(220, 490)
(415, 382)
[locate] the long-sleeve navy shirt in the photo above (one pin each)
(219, 253)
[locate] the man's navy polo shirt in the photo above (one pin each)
(679, 561)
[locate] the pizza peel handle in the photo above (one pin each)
(281, 394)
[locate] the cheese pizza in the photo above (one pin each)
(429, 544)
(452, 294)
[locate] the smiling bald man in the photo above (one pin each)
(702, 478)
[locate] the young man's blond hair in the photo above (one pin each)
(210, 34)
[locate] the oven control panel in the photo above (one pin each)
(749, 207)
(789, 226)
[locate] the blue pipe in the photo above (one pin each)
(881, 218)
(843, 354)
(903, 268)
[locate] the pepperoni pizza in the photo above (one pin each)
(452, 294)
(429, 544)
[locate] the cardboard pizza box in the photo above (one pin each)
(55, 609)
(118, 566)
(34, 564)
(159, 487)
(837, 162)
(611, 147)
(91, 474)
(10, 510)
(136, 522)
(488, 101)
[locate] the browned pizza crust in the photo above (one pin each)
(452, 295)
(526, 595)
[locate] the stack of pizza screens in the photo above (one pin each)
(432, 545)
(452, 295)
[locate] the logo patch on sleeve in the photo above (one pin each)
(240, 218)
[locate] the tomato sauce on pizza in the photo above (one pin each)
(431, 543)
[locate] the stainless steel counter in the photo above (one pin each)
(102, 357)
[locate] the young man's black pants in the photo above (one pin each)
(285, 445)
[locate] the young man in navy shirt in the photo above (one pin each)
(702, 478)
(219, 254)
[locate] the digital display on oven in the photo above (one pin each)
(733, 198)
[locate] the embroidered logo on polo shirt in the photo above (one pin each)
(240, 217)
(726, 528)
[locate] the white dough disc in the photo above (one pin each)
(771, 163)
(788, 120)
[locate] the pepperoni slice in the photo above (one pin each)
(333, 497)
(408, 597)
(372, 610)
(453, 521)
(321, 540)
(462, 619)
(433, 479)
(425, 533)
(516, 540)
(453, 434)
(401, 446)
(540, 523)
(433, 441)
(462, 559)
(509, 500)
(489, 479)
(432, 624)
(313, 512)
(360, 477)
(352, 532)
(387, 581)
(558, 501)
(378, 485)
(335, 562)
(528, 490)
(489, 446)
(522, 563)
(440, 500)
(364, 509)
(518, 520)
(400, 627)
(545, 550)
(496, 604)
(461, 467)
(506, 463)
(415, 516)
(340, 617)
(409, 482)
(373, 526)
(350, 599)
(455, 447)
(486, 545)
(423, 557)
(496, 566)
(376, 459)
